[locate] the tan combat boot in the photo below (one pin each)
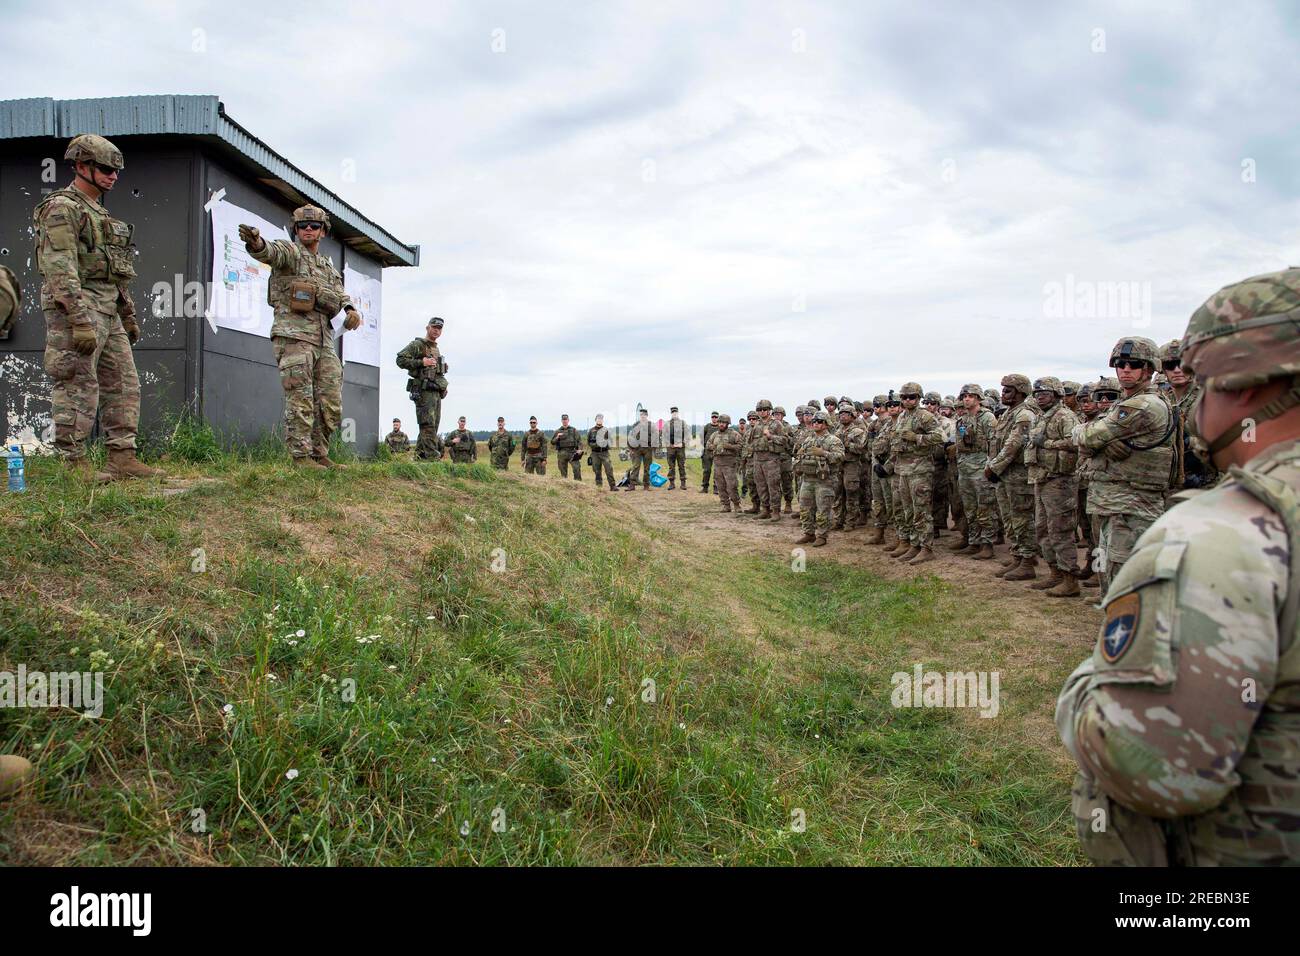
(808, 538)
(15, 771)
(726, 507)
(985, 553)
(961, 544)
(83, 469)
(308, 464)
(324, 460)
(911, 552)
(901, 548)
(1067, 587)
(122, 463)
(787, 509)
(922, 556)
(1023, 572)
(1016, 559)
(1042, 584)
(821, 541)
(1010, 561)
(874, 536)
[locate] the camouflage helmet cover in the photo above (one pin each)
(845, 408)
(813, 403)
(1136, 348)
(90, 148)
(311, 213)
(1107, 383)
(1017, 381)
(821, 416)
(949, 401)
(1071, 388)
(1171, 351)
(763, 405)
(752, 415)
(934, 397)
(910, 390)
(724, 419)
(880, 400)
(1049, 383)
(1084, 393)
(1247, 333)
(971, 389)
(778, 410)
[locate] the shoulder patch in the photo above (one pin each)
(1122, 615)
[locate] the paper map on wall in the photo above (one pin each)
(238, 296)
(362, 344)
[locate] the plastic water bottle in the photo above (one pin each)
(17, 481)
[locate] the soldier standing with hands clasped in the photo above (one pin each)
(306, 292)
(817, 460)
(567, 451)
(427, 386)
(501, 446)
(598, 447)
(675, 438)
(640, 442)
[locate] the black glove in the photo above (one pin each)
(880, 471)
(991, 476)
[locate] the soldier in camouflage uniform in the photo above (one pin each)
(724, 445)
(974, 428)
(1007, 470)
(426, 385)
(85, 257)
(1185, 722)
(641, 445)
(706, 454)
(948, 418)
(804, 416)
(902, 517)
(748, 486)
(915, 436)
(882, 507)
(787, 459)
(396, 440)
(461, 444)
(766, 447)
(676, 434)
(1132, 450)
(598, 447)
(11, 301)
(817, 460)
(1050, 457)
(568, 449)
(853, 437)
(306, 292)
(532, 449)
(1070, 396)
(1198, 470)
(939, 494)
(501, 446)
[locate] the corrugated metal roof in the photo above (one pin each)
(202, 116)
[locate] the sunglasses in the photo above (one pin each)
(1170, 366)
(106, 170)
(1104, 396)
(1130, 364)
(893, 404)
(311, 225)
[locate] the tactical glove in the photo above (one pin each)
(84, 338)
(250, 236)
(880, 471)
(1038, 439)
(991, 476)
(131, 328)
(353, 320)
(817, 451)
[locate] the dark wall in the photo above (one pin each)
(152, 194)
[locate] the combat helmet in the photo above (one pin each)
(1107, 383)
(1071, 388)
(821, 416)
(880, 400)
(813, 403)
(724, 418)
(932, 398)
(752, 415)
(910, 390)
(778, 410)
(1017, 381)
(1049, 383)
(971, 389)
(311, 213)
(1084, 394)
(949, 401)
(763, 405)
(845, 408)
(1136, 348)
(92, 148)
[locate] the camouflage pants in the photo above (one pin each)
(1116, 535)
(641, 458)
(1085, 525)
(724, 473)
(864, 489)
(600, 463)
(428, 414)
(534, 464)
(1055, 501)
(954, 501)
(902, 517)
(767, 475)
(979, 503)
(501, 462)
(848, 502)
(882, 501)
(939, 501)
(104, 381)
(562, 456)
(917, 489)
(706, 467)
(816, 503)
(787, 478)
(677, 461)
(312, 378)
(748, 485)
(1016, 502)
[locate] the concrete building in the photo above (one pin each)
(182, 153)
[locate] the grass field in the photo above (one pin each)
(437, 664)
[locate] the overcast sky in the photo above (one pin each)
(704, 204)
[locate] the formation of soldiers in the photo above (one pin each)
(1045, 467)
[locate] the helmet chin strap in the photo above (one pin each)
(1266, 413)
(76, 172)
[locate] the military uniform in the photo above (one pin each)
(1050, 458)
(706, 454)
(1015, 495)
(567, 448)
(939, 496)
(462, 446)
(598, 447)
(769, 443)
(676, 433)
(11, 301)
(817, 459)
(397, 442)
(915, 436)
(974, 433)
(532, 450)
(748, 487)
(501, 445)
(725, 446)
(882, 501)
(85, 258)
(641, 444)
(427, 387)
(848, 490)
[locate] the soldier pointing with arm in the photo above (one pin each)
(306, 292)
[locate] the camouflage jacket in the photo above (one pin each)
(642, 435)
(822, 467)
(853, 437)
(432, 377)
(501, 445)
(725, 443)
(460, 444)
(533, 444)
(913, 439)
(84, 255)
(1011, 436)
(1189, 708)
(1050, 450)
(769, 437)
(747, 441)
(291, 263)
(1132, 455)
(566, 439)
(598, 440)
(1198, 468)
(397, 441)
(706, 435)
